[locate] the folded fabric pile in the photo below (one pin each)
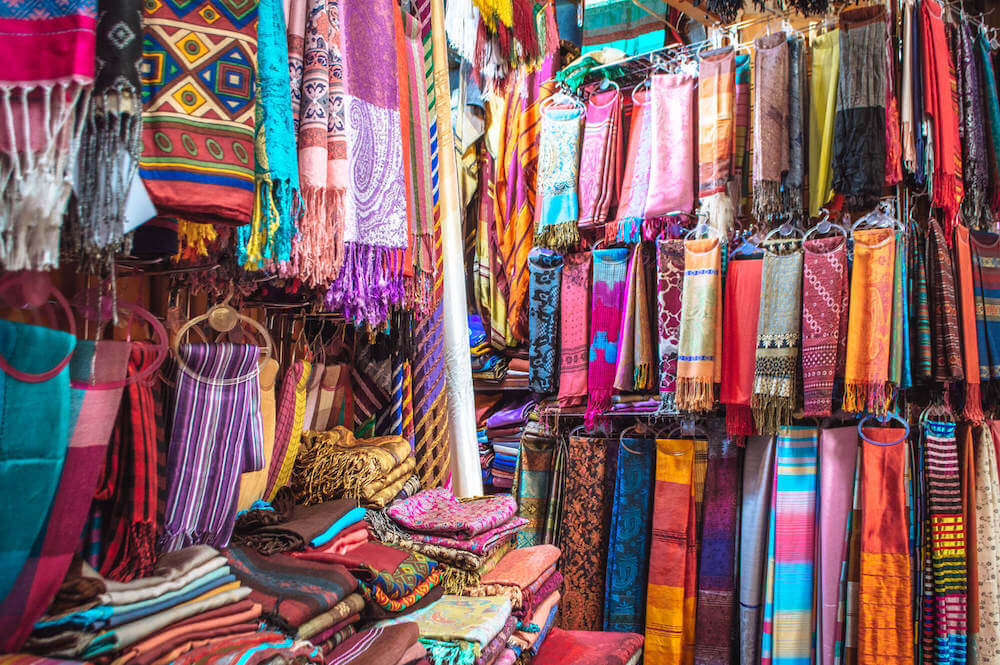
(503, 430)
(517, 373)
(382, 645)
(335, 525)
(582, 647)
(336, 465)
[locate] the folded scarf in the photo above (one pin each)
(673, 159)
(522, 567)
(739, 343)
(545, 271)
(605, 321)
(558, 165)
(491, 651)
(635, 181)
(669, 291)
(326, 625)
(973, 410)
(986, 283)
(824, 296)
(770, 136)
(474, 622)
(635, 365)
(793, 180)
(946, 338)
(866, 381)
(454, 558)
(257, 648)
(699, 355)
(347, 540)
(525, 640)
(305, 524)
(437, 511)
(574, 327)
(822, 113)
(481, 544)
(600, 159)
(778, 341)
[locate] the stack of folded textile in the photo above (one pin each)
(503, 429)
(517, 373)
(192, 596)
(395, 644)
(490, 368)
(274, 528)
(486, 404)
(336, 465)
(582, 647)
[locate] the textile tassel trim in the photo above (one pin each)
(739, 420)
(559, 236)
(599, 402)
(973, 410)
(629, 230)
(458, 652)
(370, 284)
(524, 28)
(642, 377)
(695, 394)
(551, 28)
(771, 412)
(318, 249)
(766, 198)
(263, 240)
(872, 397)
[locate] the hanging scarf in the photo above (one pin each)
(742, 311)
(778, 341)
(970, 344)
(48, 73)
(866, 383)
(635, 182)
(987, 530)
(738, 186)
(758, 479)
(991, 118)
(922, 313)
(532, 483)
(599, 157)
(574, 324)
(939, 86)
(545, 269)
(893, 149)
(986, 282)
(967, 454)
(975, 161)
(558, 167)
(946, 337)
(859, 125)
(201, 172)
(910, 124)
(605, 321)
(850, 578)
(770, 123)
(673, 158)
(824, 289)
(290, 419)
(822, 111)
(899, 366)
(634, 371)
(669, 283)
(716, 134)
(793, 181)
(699, 352)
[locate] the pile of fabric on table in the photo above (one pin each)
(503, 430)
(583, 647)
(381, 645)
(336, 465)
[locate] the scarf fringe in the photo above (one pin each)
(642, 377)
(948, 196)
(629, 230)
(668, 405)
(318, 248)
(766, 199)
(551, 29)
(695, 394)
(268, 237)
(598, 402)
(370, 284)
(558, 236)
(461, 24)
(458, 652)
(524, 27)
(771, 413)
(973, 410)
(739, 420)
(868, 396)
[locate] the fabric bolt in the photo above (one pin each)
(532, 485)
(600, 158)
(635, 368)
(558, 173)
(673, 157)
(793, 181)
(605, 319)
(699, 354)
(574, 328)
(438, 511)
(973, 410)
(824, 316)
(254, 484)
(216, 436)
(771, 130)
(635, 180)
(589, 648)
(670, 256)
(758, 481)
(986, 286)
(545, 269)
(988, 555)
(946, 337)
(822, 113)
(741, 312)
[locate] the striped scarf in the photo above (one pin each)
(947, 340)
(288, 426)
(758, 480)
(636, 367)
(986, 284)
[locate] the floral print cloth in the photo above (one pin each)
(437, 511)
(481, 544)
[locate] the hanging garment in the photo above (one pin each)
(850, 580)
(946, 338)
(669, 291)
(254, 484)
(600, 159)
(584, 530)
(622, 25)
(739, 343)
(288, 427)
(740, 188)
(822, 111)
(758, 480)
(867, 386)
(975, 162)
(968, 471)
(909, 123)
(628, 547)
(558, 174)
(973, 410)
(991, 117)
(824, 316)
(789, 624)
(716, 126)
(545, 271)
(554, 504)
(673, 557)
(987, 535)
(922, 315)
(635, 182)
(533, 484)
(770, 123)
(986, 285)
(635, 369)
(673, 158)
(216, 437)
(699, 355)
(899, 349)
(314, 378)
(605, 321)
(574, 329)
(793, 182)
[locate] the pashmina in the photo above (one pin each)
(558, 172)
(866, 380)
(941, 107)
(715, 627)
(899, 348)
(381, 645)
(922, 314)
(636, 364)
(988, 557)
(39, 418)
(739, 321)
(605, 320)
(990, 122)
(216, 436)
(253, 485)
(778, 340)
(482, 544)
(824, 316)
(946, 339)
(635, 181)
(699, 354)
(589, 648)
(986, 284)
(532, 485)
(622, 25)
(788, 632)
(94, 408)
(885, 617)
(600, 158)
(304, 525)
(259, 648)
(574, 327)
(628, 544)
(975, 161)
(213, 155)
(822, 113)
(670, 256)
(770, 122)
(673, 153)
(739, 186)
(673, 557)
(46, 46)
(716, 127)
(973, 410)
(458, 627)
(523, 567)
(291, 413)
(838, 454)
(793, 181)
(370, 282)
(545, 271)
(859, 144)
(758, 479)
(584, 530)
(437, 511)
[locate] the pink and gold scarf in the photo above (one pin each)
(699, 354)
(824, 293)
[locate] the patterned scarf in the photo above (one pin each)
(899, 349)
(986, 283)
(770, 122)
(822, 111)
(635, 182)
(673, 158)
(669, 283)
(289, 422)
(742, 311)
(988, 538)
(758, 479)
(739, 187)
(847, 607)
(636, 366)
(716, 134)
(187, 170)
(922, 313)
(793, 180)
(947, 338)
(574, 324)
(968, 471)
(866, 381)
(975, 160)
(973, 410)
(991, 119)
(824, 311)
(533, 481)
(558, 167)
(600, 161)
(778, 341)
(605, 322)
(545, 268)
(699, 353)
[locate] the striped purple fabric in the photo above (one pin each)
(216, 437)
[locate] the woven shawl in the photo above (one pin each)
(740, 185)
(716, 125)
(976, 211)
(866, 380)
(600, 159)
(605, 322)
(669, 285)
(532, 484)
(922, 314)
(776, 361)
(973, 410)
(793, 181)
(991, 119)
(558, 173)
(758, 479)
(770, 122)
(822, 111)
(545, 272)
(699, 353)
(574, 326)
(987, 529)
(198, 156)
(739, 343)
(635, 181)
(673, 158)
(824, 316)
(636, 364)
(946, 338)
(899, 347)
(986, 283)
(291, 411)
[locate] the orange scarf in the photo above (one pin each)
(970, 345)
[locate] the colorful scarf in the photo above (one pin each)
(850, 579)
(673, 557)
(545, 270)
(741, 313)
(254, 484)
(673, 159)
(584, 530)
(288, 425)
(968, 470)
(623, 25)
(973, 410)
(375, 225)
(635, 181)
(866, 381)
(991, 121)
(988, 539)
(533, 480)
(636, 364)
(822, 111)
(975, 161)
(600, 158)
(554, 506)
(947, 339)
(605, 321)
(574, 326)
(558, 171)
(437, 511)
(218, 175)
(716, 140)
(770, 123)
(922, 313)
(589, 648)
(628, 547)
(824, 315)
(792, 182)
(669, 290)
(739, 186)
(788, 632)
(986, 283)
(699, 352)
(778, 340)
(899, 348)
(758, 479)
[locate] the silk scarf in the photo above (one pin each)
(741, 313)
(558, 173)
(669, 291)
(635, 181)
(545, 271)
(574, 327)
(605, 322)
(973, 410)
(824, 316)
(699, 353)
(758, 480)
(673, 160)
(636, 366)
(822, 112)
(793, 181)
(599, 157)
(770, 136)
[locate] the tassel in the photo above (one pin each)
(973, 411)
(563, 236)
(695, 394)
(524, 28)
(739, 420)
(552, 42)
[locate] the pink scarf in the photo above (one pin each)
(632, 202)
(599, 158)
(672, 163)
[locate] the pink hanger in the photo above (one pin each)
(35, 290)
